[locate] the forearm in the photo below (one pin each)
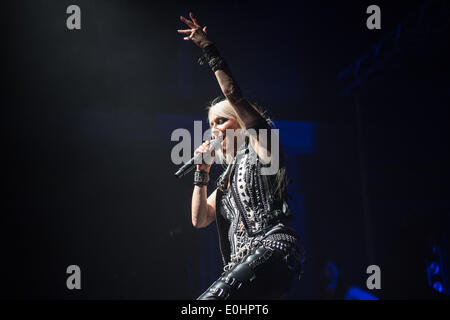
(199, 207)
(231, 90)
(234, 95)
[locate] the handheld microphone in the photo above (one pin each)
(188, 166)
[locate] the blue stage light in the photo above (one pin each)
(356, 293)
(433, 268)
(437, 286)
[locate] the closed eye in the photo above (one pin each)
(221, 120)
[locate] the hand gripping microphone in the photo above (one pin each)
(188, 166)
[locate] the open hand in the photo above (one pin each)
(196, 33)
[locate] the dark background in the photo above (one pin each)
(86, 122)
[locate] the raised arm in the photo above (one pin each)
(234, 95)
(230, 89)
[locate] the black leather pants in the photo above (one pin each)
(265, 273)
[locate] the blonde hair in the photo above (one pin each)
(223, 108)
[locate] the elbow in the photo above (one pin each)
(200, 221)
(232, 93)
(228, 92)
(196, 224)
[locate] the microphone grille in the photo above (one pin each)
(215, 143)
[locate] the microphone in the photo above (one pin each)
(188, 166)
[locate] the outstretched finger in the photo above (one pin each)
(188, 22)
(184, 31)
(193, 19)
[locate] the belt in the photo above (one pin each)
(281, 241)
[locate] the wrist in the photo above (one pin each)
(211, 56)
(201, 178)
(203, 168)
(205, 43)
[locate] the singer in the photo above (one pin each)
(260, 251)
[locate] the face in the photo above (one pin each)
(219, 125)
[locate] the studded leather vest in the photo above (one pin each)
(249, 208)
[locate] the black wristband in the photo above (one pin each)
(212, 56)
(201, 178)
